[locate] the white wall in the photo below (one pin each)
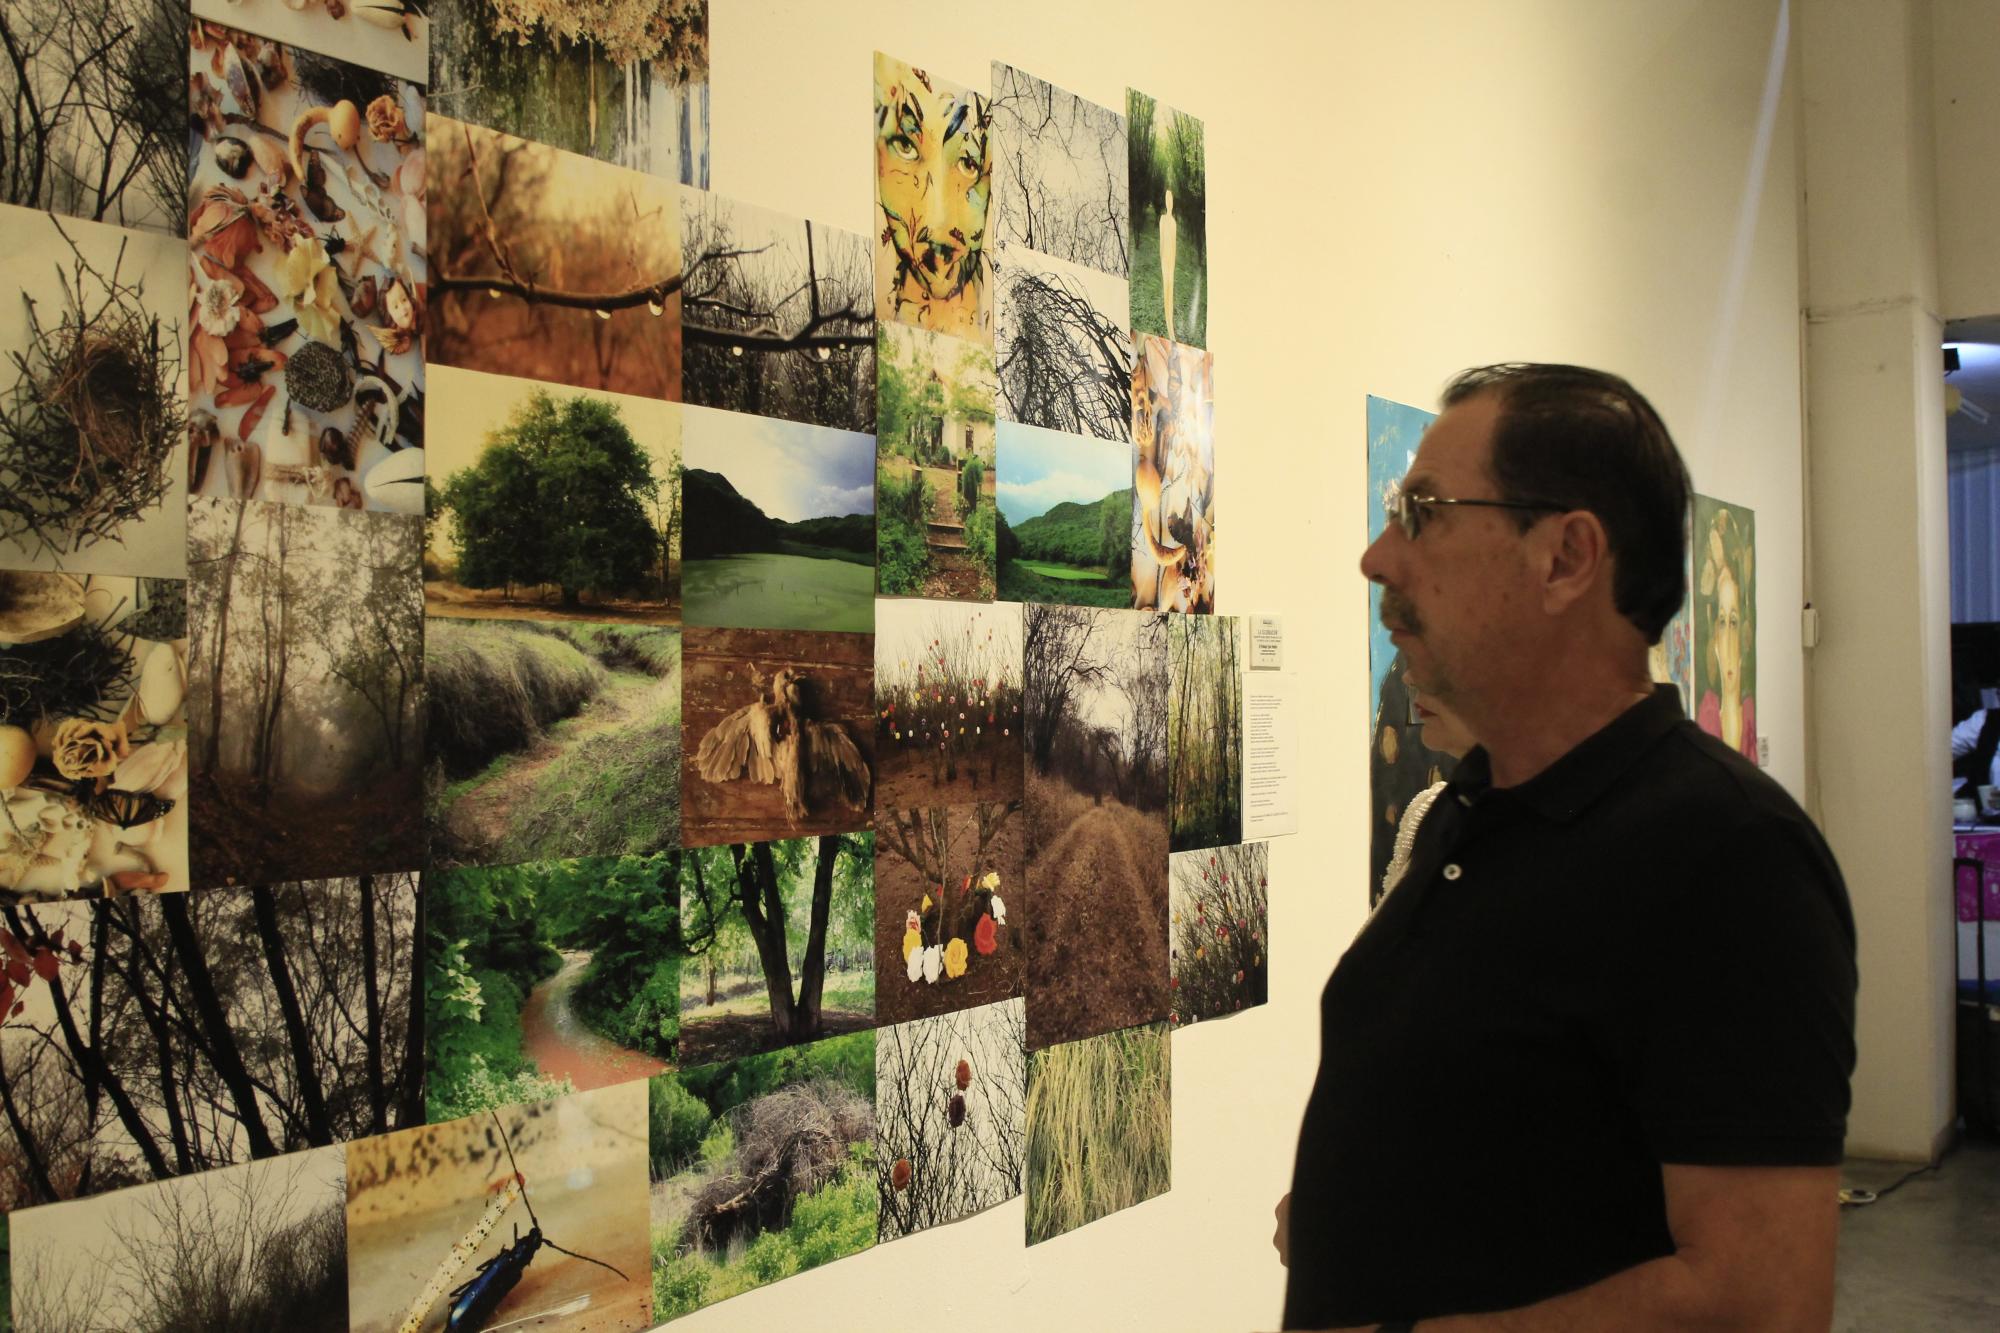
(1966, 96)
(1395, 192)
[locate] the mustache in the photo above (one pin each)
(1398, 612)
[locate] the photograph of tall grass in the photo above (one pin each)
(1065, 506)
(1216, 946)
(1100, 1128)
(1166, 160)
(1205, 730)
(934, 482)
(244, 1249)
(949, 1123)
(950, 891)
(551, 739)
(947, 703)
(760, 1168)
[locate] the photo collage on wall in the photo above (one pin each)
(573, 745)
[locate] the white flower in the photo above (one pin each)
(999, 909)
(933, 962)
(916, 964)
(216, 308)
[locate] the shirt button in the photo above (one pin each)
(1452, 871)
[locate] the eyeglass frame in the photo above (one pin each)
(1400, 507)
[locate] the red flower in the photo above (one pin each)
(964, 1075)
(899, 1174)
(983, 936)
(957, 1110)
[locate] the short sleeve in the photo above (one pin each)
(1745, 1041)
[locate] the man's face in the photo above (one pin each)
(1457, 599)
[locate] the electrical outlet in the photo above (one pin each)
(1763, 752)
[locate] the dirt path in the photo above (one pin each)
(1100, 957)
(731, 1036)
(556, 1038)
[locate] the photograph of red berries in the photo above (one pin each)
(1216, 943)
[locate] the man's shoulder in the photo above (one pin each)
(1693, 782)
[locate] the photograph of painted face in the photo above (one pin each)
(1725, 616)
(933, 178)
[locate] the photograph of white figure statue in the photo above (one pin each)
(1169, 191)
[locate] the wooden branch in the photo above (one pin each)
(602, 302)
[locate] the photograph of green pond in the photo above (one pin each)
(1065, 518)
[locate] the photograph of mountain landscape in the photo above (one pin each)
(1065, 518)
(780, 524)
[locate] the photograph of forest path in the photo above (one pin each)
(551, 503)
(1065, 515)
(552, 739)
(626, 84)
(776, 314)
(1217, 948)
(164, 1035)
(306, 692)
(548, 978)
(947, 936)
(780, 527)
(1167, 163)
(934, 482)
(1100, 1128)
(245, 1249)
(1059, 173)
(1060, 347)
(574, 1166)
(760, 1168)
(1205, 730)
(585, 259)
(779, 944)
(1096, 939)
(949, 1128)
(947, 703)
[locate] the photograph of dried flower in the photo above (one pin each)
(93, 398)
(623, 81)
(389, 35)
(550, 503)
(1064, 358)
(429, 1209)
(551, 266)
(780, 740)
(162, 1036)
(551, 739)
(1173, 478)
(1096, 939)
(1065, 505)
(950, 1136)
(93, 110)
(761, 1168)
(306, 273)
(777, 314)
(1167, 163)
(945, 936)
(252, 1247)
(1059, 174)
(1100, 1128)
(933, 190)
(1205, 730)
(306, 631)
(934, 481)
(1216, 946)
(93, 736)
(777, 941)
(947, 703)
(780, 524)
(548, 978)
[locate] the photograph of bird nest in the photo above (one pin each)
(93, 404)
(93, 736)
(391, 35)
(306, 277)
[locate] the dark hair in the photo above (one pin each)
(1585, 439)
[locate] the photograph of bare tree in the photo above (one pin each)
(306, 705)
(777, 315)
(777, 941)
(933, 189)
(1096, 687)
(780, 737)
(1173, 478)
(946, 937)
(93, 110)
(1100, 1128)
(1065, 510)
(1064, 358)
(947, 703)
(551, 266)
(549, 503)
(390, 35)
(1060, 184)
(1217, 950)
(950, 1134)
(1205, 730)
(245, 1249)
(934, 482)
(161, 1036)
(428, 1208)
(1167, 162)
(623, 81)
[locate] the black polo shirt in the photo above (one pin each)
(1642, 955)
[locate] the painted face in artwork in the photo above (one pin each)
(933, 176)
(1727, 640)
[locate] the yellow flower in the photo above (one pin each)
(927, 902)
(313, 288)
(913, 940)
(954, 958)
(1201, 951)
(992, 880)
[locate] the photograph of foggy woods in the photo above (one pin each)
(778, 315)
(93, 109)
(1059, 175)
(169, 1034)
(305, 691)
(1205, 731)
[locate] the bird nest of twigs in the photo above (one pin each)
(89, 429)
(87, 672)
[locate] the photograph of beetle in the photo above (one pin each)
(534, 1215)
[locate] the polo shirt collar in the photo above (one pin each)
(1566, 788)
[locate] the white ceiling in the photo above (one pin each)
(1978, 378)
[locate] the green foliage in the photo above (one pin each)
(848, 1059)
(677, 1123)
(850, 532)
(617, 790)
(720, 520)
(902, 518)
(718, 1145)
(1006, 544)
(969, 478)
(1079, 534)
(626, 912)
(494, 686)
(979, 536)
(909, 405)
(1019, 583)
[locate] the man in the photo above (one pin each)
(1587, 1068)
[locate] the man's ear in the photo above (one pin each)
(1575, 556)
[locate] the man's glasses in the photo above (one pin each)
(1407, 511)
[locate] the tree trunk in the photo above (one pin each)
(378, 1106)
(764, 913)
(213, 745)
(812, 975)
(410, 1076)
(208, 1005)
(38, 1170)
(319, 1126)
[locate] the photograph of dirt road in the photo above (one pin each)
(1095, 682)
